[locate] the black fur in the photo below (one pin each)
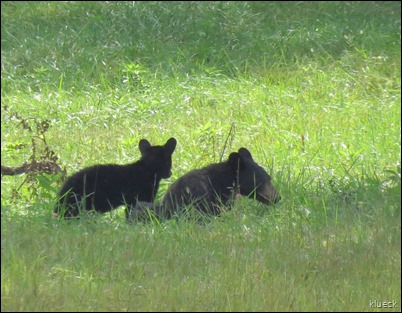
(216, 185)
(105, 187)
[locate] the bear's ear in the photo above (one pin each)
(235, 161)
(244, 153)
(170, 145)
(144, 145)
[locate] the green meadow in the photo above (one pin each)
(312, 89)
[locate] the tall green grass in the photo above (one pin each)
(312, 89)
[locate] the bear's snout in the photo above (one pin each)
(268, 195)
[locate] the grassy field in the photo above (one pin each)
(312, 89)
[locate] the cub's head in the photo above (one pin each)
(254, 181)
(158, 158)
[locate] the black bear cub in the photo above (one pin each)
(214, 186)
(103, 188)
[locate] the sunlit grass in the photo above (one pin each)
(315, 96)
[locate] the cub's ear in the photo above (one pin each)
(244, 153)
(144, 145)
(170, 145)
(235, 161)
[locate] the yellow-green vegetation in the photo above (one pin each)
(312, 89)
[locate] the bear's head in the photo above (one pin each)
(158, 159)
(252, 180)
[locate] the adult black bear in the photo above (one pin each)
(214, 186)
(105, 187)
